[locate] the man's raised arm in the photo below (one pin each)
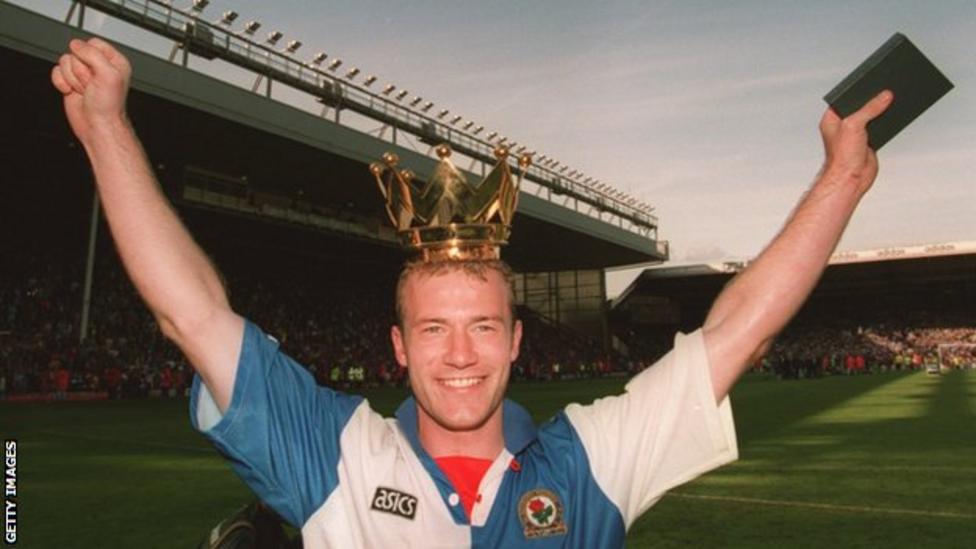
(170, 271)
(759, 302)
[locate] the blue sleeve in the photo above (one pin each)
(281, 431)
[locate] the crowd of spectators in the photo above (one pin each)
(550, 351)
(40, 351)
(917, 340)
(339, 329)
(889, 339)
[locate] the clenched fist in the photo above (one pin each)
(94, 79)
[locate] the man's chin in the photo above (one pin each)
(463, 424)
(462, 421)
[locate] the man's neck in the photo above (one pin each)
(485, 442)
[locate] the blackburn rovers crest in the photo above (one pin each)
(541, 514)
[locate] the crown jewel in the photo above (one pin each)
(447, 218)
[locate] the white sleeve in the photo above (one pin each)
(665, 430)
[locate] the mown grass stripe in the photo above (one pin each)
(128, 441)
(825, 506)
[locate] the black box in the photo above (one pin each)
(897, 66)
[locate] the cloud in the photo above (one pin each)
(704, 253)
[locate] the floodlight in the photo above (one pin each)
(468, 124)
(443, 113)
(401, 94)
(520, 149)
(352, 73)
(572, 173)
(293, 46)
(388, 89)
(456, 119)
(273, 37)
(492, 135)
(319, 58)
(512, 144)
(478, 130)
(228, 17)
(200, 5)
(335, 64)
(563, 169)
(369, 80)
(502, 140)
(251, 27)
(416, 101)
(427, 106)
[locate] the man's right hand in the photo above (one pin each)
(94, 79)
(172, 274)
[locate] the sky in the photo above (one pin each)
(707, 111)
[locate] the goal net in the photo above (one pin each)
(957, 356)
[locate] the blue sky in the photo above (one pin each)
(706, 110)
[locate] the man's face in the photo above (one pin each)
(459, 341)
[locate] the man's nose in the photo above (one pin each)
(460, 351)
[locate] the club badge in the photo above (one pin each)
(541, 514)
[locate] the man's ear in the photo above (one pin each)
(516, 341)
(398, 348)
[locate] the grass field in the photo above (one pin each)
(885, 460)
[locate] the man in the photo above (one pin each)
(459, 466)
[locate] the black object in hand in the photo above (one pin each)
(898, 66)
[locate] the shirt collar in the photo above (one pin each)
(518, 428)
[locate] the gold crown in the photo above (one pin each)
(447, 218)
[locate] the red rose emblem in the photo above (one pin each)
(536, 505)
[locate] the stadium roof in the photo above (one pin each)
(191, 120)
(877, 271)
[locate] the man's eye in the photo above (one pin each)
(485, 328)
(432, 330)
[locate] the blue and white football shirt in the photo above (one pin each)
(348, 477)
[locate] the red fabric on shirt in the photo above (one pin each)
(465, 473)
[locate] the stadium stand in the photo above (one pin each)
(303, 297)
(873, 311)
(339, 323)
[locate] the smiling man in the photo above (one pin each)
(459, 466)
(458, 337)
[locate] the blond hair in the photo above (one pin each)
(476, 268)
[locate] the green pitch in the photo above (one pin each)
(884, 460)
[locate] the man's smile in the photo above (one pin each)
(461, 382)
